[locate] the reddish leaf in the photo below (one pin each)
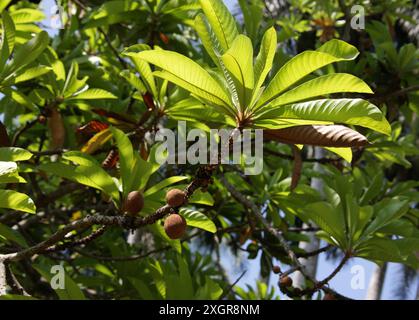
(325, 136)
(111, 159)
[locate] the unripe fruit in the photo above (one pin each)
(285, 282)
(276, 269)
(134, 202)
(329, 296)
(175, 198)
(175, 226)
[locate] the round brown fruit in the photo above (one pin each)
(276, 269)
(134, 202)
(175, 198)
(285, 282)
(329, 296)
(175, 226)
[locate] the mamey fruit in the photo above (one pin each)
(276, 269)
(329, 296)
(175, 226)
(134, 202)
(175, 198)
(285, 282)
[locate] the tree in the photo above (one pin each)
(84, 111)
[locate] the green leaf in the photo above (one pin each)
(89, 165)
(264, 59)
(187, 74)
(26, 53)
(386, 211)
(204, 32)
(326, 217)
(305, 63)
(12, 235)
(198, 220)
(143, 68)
(32, 73)
(221, 21)
(16, 201)
(89, 175)
(239, 62)
(126, 156)
(92, 94)
(345, 153)
(330, 83)
(134, 81)
(9, 173)
(71, 290)
(349, 111)
(14, 154)
(4, 4)
(27, 15)
(8, 39)
(163, 184)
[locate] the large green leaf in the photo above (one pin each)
(14, 154)
(221, 21)
(12, 235)
(89, 175)
(264, 59)
(126, 156)
(330, 83)
(71, 290)
(387, 211)
(187, 74)
(163, 184)
(204, 33)
(305, 63)
(9, 173)
(93, 93)
(31, 73)
(198, 220)
(8, 39)
(16, 201)
(26, 53)
(349, 111)
(238, 60)
(142, 67)
(328, 219)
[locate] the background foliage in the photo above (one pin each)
(80, 109)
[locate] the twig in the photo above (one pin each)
(296, 170)
(78, 242)
(230, 287)
(27, 126)
(315, 252)
(14, 283)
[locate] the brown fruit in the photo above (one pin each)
(329, 296)
(175, 226)
(175, 198)
(285, 282)
(276, 269)
(134, 202)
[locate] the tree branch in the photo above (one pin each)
(291, 254)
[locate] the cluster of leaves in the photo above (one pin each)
(79, 111)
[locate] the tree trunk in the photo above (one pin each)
(310, 264)
(376, 284)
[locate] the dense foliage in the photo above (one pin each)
(81, 106)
